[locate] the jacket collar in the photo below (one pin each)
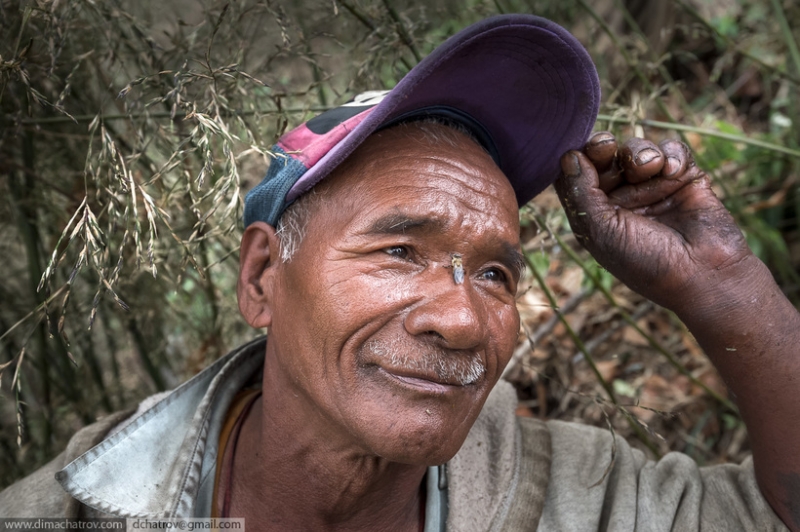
(161, 464)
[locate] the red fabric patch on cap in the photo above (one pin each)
(308, 147)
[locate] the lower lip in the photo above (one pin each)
(420, 384)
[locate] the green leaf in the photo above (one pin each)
(726, 25)
(623, 388)
(730, 421)
(541, 261)
(596, 274)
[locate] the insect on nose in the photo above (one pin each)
(451, 310)
(458, 268)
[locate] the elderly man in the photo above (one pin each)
(382, 255)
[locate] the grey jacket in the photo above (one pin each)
(511, 473)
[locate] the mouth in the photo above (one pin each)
(418, 382)
(423, 367)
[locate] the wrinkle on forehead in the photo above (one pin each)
(445, 148)
(463, 170)
(457, 182)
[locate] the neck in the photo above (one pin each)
(292, 471)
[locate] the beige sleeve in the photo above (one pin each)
(39, 494)
(641, 495)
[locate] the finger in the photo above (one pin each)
(579, 191)
(649, 193)
(601, 149)
(678, 157)
(602, 152)
(678, 170)
(640, 160)
(684, 199)
(611, 178)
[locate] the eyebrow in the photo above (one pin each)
(400, 224)
(513, 259)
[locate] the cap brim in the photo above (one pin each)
(525, 79)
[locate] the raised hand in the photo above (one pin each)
(647, 214)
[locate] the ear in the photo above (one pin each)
(258, 260)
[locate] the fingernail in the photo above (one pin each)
(570, 165)
(672, 166)
(646, 155)
(603, 137)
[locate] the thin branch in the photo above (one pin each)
(39, 309)
(732, 45)
(401, 30)
(627, 317)
(702, 131)
(791, 44)
(164, 114)
(366, 21)
(633, 422)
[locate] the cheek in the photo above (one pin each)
(504, 330)
(343, 305)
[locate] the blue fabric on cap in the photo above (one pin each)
(265, 202)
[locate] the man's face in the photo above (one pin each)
(370, 329)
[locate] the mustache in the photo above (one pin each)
(452, 367)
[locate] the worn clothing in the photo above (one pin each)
(510, 474)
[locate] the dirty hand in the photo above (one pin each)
(648, 215)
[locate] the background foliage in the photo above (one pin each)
(129, 131)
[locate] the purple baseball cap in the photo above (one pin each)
(523, 85)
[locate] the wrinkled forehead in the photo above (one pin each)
(423, 168)
(439, 149)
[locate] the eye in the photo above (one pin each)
(401, 252)
(494, 275)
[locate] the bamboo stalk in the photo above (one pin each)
(113, 351)
(144, 355)
(90, 356)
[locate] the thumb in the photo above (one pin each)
(578, 188)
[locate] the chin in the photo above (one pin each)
(410, 421)
(423, 455)
(421, 439)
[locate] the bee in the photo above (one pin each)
(458, 268)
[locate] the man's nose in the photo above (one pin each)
(453, 312)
